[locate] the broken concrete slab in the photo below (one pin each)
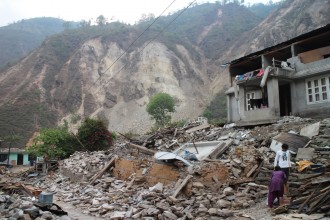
(294, 141)
(311, 130)
(201, 151)
(204, 149)
(168, 157)
(305, 154)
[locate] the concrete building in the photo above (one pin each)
(291, 78)
(17, 156)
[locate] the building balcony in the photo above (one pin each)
(283, 73)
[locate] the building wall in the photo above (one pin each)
(26, 159)
(233, 112)
(273, 110)
(13, 158)
(300, 106)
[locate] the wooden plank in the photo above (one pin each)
(262, 178)
(183, 184)
(125, 136)
(142, 149)
(238, 182)
(299, 200)
(197, 128)
(175, 132)
(325, 208)
(321, 180)
(221, 149)
(318, 198)
(314, 206)
(252, 170)
(105, 168)
(325, 189)
(306, 176)
(307, 200)
(258, 170)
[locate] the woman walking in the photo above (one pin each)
(276, 186)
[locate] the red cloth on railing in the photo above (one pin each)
(261, 72)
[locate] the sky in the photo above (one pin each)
(127, 11)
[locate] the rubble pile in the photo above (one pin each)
(21, 207)
(82, 165)
(128, 182)
(118, 199)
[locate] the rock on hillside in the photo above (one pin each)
(121, 94)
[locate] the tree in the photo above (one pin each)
(53, 143)
(11, 139)
(101, 20)
(94, 135)
(67, 25)
(85, 24)
(159, 107)
(145, 17)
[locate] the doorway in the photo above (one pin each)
(285, 99)
(20, 159)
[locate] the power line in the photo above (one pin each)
(131, 44)
(126, 50)
(157, 35)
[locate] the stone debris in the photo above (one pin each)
(136, 187)
(21, 207)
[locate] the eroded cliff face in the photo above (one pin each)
(75, 76)
(93, 83)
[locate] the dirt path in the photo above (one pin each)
(259, 211)
(74, 212)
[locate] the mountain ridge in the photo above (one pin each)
(77, 73)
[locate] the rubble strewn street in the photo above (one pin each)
(126, 183)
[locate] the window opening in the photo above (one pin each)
(318, 90)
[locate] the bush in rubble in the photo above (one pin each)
(159, 107)
(94, 135)
(53, 143)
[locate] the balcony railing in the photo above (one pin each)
(282, 73)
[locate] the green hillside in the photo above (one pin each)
(20, 38)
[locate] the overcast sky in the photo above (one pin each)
(128, 11)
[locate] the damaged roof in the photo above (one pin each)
(310, 34)
(294, 141)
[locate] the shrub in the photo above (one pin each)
(159, 107)
(94, 135)
(53, 143)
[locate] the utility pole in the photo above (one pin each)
(11, 139)
(8, 154)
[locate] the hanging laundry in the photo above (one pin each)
(261, 72)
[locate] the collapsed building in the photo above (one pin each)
(229, 180)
